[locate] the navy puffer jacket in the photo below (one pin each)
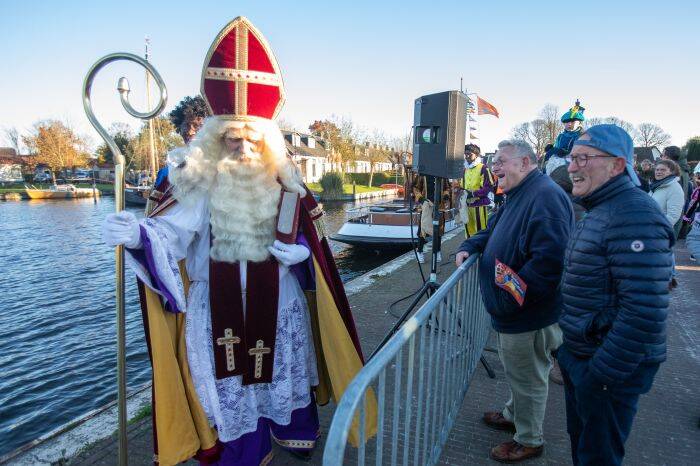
(615, 283)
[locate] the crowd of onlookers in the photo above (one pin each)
(139, 178)
(676, 188)
(577, 264)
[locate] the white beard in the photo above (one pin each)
(243, 196)
(243, 204)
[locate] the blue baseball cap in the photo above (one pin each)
(612, 140)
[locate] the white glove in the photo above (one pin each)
(288, 254)
(121, 228)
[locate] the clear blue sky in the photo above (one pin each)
(369, 59)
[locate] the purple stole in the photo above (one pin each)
(244, 345)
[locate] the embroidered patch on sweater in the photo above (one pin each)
(507, 279)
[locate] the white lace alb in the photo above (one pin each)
(235, 408)
(232, 407)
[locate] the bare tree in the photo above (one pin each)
(626, 125)
(542, 130)
(650, 135)
(13, 138)
(611, 120)
(402, 149)
(348, 133)
(376, 151)
(551, 120)
(286, 124)
(535, 132)
(522, 131)
(593, 121)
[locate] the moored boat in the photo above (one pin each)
(61, 191)
(136, 195)
(388, 225)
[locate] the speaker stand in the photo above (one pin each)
(430, 286)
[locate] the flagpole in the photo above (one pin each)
(119, 163)
(151, 142)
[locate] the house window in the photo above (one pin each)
(311, 142)
(313, 170)
(296, 140)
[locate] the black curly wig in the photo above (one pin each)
(188, 108)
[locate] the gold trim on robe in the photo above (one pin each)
(341, 363)
(181, 425)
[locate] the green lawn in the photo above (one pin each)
(347, 188)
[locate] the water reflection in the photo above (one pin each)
(57, 337)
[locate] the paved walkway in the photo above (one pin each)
(665, 431)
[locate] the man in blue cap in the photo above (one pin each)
(615, 296)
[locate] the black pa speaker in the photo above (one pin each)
(439, 133)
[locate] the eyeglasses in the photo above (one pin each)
(582, 159)
(500, 162)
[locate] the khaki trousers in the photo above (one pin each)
(527, 360)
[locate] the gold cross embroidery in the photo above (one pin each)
(228, 340)
(258, 352)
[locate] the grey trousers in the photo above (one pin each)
(527, 360)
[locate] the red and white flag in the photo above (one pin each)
(486, 108)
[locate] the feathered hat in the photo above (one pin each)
(241, 79)
(574, 113)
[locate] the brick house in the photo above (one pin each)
(13, 166)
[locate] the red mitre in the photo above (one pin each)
(241, 79)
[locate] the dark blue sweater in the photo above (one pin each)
(615, 284)
(529, 233)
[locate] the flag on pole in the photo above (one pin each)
(471, 108)
(486, 108)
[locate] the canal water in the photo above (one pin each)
(57, 320)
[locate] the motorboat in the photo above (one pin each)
(61, 191)
(386, 225)
(136, 195)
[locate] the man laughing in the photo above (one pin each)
(522, 257)
(617, 268)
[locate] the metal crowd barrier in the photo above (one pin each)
(420, 378)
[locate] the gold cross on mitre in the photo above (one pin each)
(258, 352)
(228, 340)
(241, 78)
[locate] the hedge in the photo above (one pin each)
(378, 179)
